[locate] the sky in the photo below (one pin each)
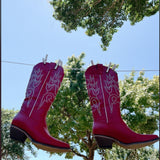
(29, 32)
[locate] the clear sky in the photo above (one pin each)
(29, 32)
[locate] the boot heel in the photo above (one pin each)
(17, 134)
(104, 142)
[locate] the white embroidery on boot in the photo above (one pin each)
(93, 89)
(47, 98)
(39, 93)
(96, 104)
(34, 82)
(110, 85)
(103, 98)
(51, 89)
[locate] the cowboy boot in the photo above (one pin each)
(108, 126)
(30, 122)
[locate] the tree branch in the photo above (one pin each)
(117, 13)
(89, 138)
(84, 141)
(94, 145)
(97, 2)
(80, 155)
(107, 9)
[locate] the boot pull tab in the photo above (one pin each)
(59, 63)
(45, 59)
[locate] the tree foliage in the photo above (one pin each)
(70, 118)
(118, 153)
(140, 102)
(102, 17)
(10, 149)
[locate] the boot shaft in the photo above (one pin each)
(42, 88)
(103, 91)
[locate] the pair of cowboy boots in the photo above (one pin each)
(103, 91)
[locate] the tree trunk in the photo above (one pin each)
(91, 154)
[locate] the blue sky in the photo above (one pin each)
(29, 32)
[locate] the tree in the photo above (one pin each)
(70, 117)
(140, 102)
(102, 17)
(11, 149)
(118, 153)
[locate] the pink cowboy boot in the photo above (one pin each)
(108, 126)
(30, 122)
